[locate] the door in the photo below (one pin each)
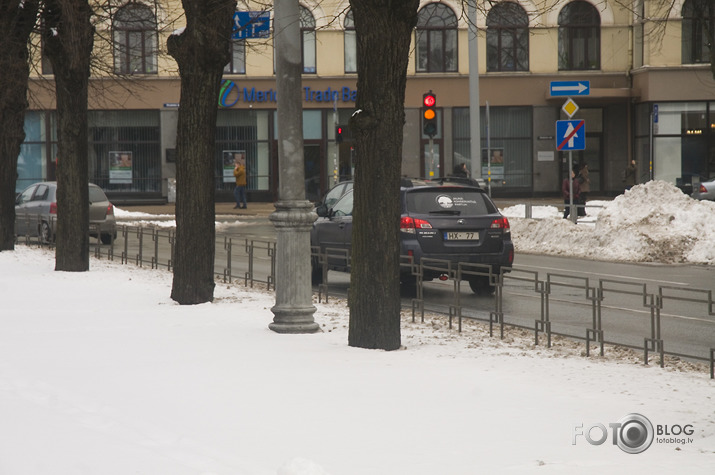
(591, 156)
(312, 153)
(333, 233)
(23, 207)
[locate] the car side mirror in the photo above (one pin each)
(322, 211)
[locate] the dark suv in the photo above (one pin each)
(447, 220)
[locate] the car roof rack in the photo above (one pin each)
(406, 182)
(462, 180)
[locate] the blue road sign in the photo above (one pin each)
(570, 135)
(570, 88)
(251, 25)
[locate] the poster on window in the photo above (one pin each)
(495, 166)
(230, 159)
(120, 168)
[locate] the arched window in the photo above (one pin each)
(698, 24)
(579, 37)
(307, 32)
(135, 40)
(436, 39)
(350, 44)
(507, 38)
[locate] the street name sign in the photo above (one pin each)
(251, 25)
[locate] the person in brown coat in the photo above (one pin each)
(239, 172)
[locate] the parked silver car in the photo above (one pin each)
(36, 212)
(706, 191)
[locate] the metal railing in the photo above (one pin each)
(580, 308)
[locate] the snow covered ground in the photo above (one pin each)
(102, 373)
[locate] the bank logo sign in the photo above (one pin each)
(231, 94)
(633, 433)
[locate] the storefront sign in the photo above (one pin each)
(345, 94)
(231, 94)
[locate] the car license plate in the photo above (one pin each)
(461, 236)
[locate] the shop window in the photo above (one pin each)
(507, 38)
(436, 39)
(33, 158)
(579, 37)
(697, 33)
(244, 132)
(350, 44)
(132, 134)
(509, 149)
(135, 40)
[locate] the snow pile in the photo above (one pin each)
(653, 222)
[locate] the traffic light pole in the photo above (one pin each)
(475, 144)
(431, 157)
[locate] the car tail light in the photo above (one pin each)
(110, 209)
(409, 225)
(703, 189)
(500, 223)
(53, 208)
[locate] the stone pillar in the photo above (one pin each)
(294, 216)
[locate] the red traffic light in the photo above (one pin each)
(429, 114)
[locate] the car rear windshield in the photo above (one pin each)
(449, 201)
(96, 195)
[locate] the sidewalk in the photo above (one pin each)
(222, 209)
(265, 209)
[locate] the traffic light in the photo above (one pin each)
(338, 133)
(429, 114)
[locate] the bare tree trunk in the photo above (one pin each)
(383, 31)
(17, 20)
(68, 39)
(201, 51)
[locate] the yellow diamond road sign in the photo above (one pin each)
(570, 107)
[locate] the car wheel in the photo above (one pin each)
(106, 238)
(45, 233)
(481, 286)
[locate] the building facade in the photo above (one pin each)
(647, 63)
